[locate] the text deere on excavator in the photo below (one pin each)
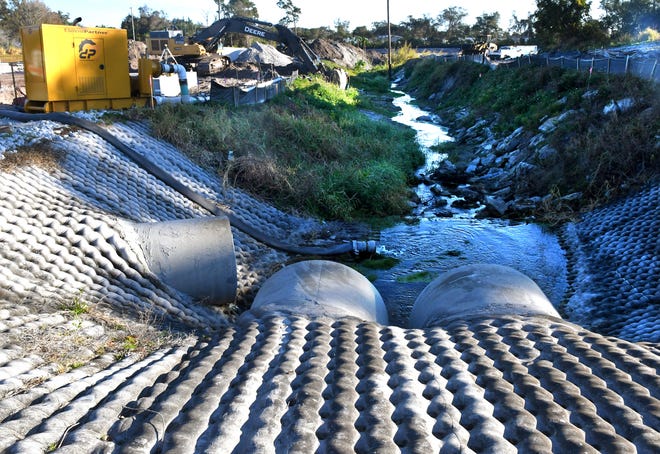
(200, 51)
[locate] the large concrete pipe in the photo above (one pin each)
(195, 256)
(321, 288)
(480, 289)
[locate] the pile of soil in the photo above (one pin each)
(345, 55)
(264, 54)
(237, 75)
(136, 49)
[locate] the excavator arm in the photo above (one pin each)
(210, 36)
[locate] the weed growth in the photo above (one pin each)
(91, 331)
(310, 149)
(598, 155)
(376, 81)
(380, 262)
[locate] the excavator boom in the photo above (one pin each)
(200, 50)
(295, 46)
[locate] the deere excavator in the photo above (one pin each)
(200, 52)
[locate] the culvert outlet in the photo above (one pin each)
(320, 288)
(479, 289)
(195, 256)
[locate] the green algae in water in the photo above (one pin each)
(421, 276)
(379, 263)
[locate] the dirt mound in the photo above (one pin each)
(264, 54)
(136, 49)
(343, 54)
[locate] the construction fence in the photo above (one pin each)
(644, 68)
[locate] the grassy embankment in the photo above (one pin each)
(599, 155)
(310, 150)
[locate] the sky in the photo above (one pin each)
(315, 13)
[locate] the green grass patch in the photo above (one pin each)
(376, 81)
(310, 150)
(77, 306)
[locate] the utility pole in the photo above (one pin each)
(389, 43)
(132, 23)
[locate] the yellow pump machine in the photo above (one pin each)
(70, 68)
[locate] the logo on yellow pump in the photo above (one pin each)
(86, 49)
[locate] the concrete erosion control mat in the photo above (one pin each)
(277, 382)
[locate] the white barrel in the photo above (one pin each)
(321, 288)
(479, 289)
(195, 256)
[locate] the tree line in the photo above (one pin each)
(555, 24)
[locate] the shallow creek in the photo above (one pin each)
(432, 245)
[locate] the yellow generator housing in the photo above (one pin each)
(70, 68)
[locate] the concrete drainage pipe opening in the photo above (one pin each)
(195, 256)
(321, 288)
(479, 289)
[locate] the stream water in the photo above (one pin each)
(432, 245)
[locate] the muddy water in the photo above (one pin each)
(432, 245)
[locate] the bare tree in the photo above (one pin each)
(521, 29)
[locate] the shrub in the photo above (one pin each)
(403, 54)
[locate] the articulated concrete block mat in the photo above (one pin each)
(294, 384)
(95, 185)
(614, 267)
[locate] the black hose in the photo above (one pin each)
(209, 205)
